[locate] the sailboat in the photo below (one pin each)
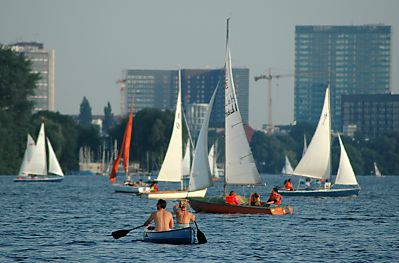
(287, 169)
(172, 166)
(240, 168)
(316, 162)
(127, 186)
(377, 172)
(34, 164)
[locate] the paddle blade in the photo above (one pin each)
(120, 233)
(201, 237)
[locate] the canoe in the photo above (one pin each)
(321, 192)
(176, 194)
(38, 179)
(218, 205)
(123, 188)
(183, 236)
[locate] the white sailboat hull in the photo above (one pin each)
(322, 192)
(177, 194)
(123, 188)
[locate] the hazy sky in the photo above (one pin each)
(95, 40)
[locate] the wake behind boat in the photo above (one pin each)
(316, 162)
(34, 164)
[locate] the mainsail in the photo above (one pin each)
(376, 170)
(345, 174)
(316, 163)
(172, 166)
(38, 163)
(240, 166)
(200, 176)
(287, 169)
(125, 149)
(212, 157)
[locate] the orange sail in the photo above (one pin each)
(125, 149)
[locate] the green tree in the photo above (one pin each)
(109, 120)
(85, 116)
(17, 83)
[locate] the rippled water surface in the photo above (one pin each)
(71, 221)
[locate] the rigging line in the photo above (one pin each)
(238, 123)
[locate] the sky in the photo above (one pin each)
(94, 40)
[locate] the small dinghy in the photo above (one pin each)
(183, 236)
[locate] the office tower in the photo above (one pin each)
(353, 59)
(158, 89)
(43, 62)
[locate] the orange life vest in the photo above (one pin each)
(231, 200)
(276, 197)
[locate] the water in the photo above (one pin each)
(71, 221)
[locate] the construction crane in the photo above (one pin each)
(269, 78)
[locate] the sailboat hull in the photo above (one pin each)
(183, 236)
(173, 195)
(322, 192)
(37, 179)
(218, 205)
(122, 188)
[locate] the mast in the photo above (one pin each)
(225, 126)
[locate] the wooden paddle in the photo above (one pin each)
(123, 232)
(200, 236)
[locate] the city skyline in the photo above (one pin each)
(95, 41)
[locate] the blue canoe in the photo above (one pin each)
(181, 236)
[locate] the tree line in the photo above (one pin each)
(151, 132)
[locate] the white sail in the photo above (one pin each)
(240, 166)
(212, 161)
(30, 145)
(38, 164)
(54, 166)
(287, 169)
(200, 176)
(376, 170)
(187, 159)
(172, 166)
(316, 163)
(345, 174)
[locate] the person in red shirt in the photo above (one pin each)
(275, 197)
(288, 185)
(232, 198)
(154, 187)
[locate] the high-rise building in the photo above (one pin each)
(158, 89)
(353, 59)
(370, 115)
(43, 63)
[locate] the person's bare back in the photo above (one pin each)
(183, 216)
(163, 219)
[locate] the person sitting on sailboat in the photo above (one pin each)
(154, 187)
(254, 200)
(274, 198)
(163, 219)
(232, 198)
(327, 184)
(183, 217)
(288, 185)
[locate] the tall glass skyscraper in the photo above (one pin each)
(353, 59)
(158, 89)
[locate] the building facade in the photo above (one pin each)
(352, 59)
(43, 63)
(370, 115)
(158, 89)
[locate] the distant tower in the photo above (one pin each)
(43, 62)
(353, 59)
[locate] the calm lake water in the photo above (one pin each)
(71, 221)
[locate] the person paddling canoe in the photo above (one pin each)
(163, 219)
(183, 217)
